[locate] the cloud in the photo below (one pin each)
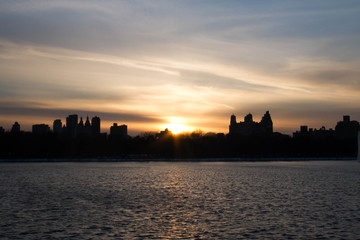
(192, 59)
(55, 91)
(208, 79)
(326, 73)
(39, 110)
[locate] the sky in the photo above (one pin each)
(187, 64)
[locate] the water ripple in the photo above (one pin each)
(180, 200)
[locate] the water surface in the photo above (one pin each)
(164, 200)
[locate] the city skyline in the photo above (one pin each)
(75, 126)
(79, 138)
(179, 64)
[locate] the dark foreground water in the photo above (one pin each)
(279, 200)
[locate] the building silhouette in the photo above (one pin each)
(15, 128)
(347, 128)
(344, 129)
(80, 124)
(250, 127)
(95, 123)
(87, 126)
(81, 138)
(120, 131)
(40, 129)
(314, 133)
(57, 126)
(71, 125)
(74, 128)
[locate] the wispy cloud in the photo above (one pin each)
(40, 110)
(192, 59)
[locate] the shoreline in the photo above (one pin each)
(273, 159)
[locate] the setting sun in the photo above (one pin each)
(177, 128)
(176, 125)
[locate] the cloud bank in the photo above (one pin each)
(198, 61)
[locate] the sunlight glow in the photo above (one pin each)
(153, 77)
(176, 125)
(177, 128)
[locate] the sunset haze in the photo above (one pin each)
(182, 65)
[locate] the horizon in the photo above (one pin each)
(174, 128)
(182, 64)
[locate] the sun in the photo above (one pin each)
(177, 128)
(177, 125)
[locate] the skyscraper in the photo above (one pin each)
(95, 122)
(15, 128)
(71, 125)
(71, 121)
(57, 126)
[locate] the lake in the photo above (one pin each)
(180, 200)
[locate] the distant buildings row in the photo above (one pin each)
(72, 128)
(343, 129)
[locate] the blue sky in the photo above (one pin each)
(150, 64)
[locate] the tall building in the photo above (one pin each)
(95, 122)
(116, 130)
(81, 127)
(250, 127)
(87, 123)
(57, 126)
(87, 127)
(81, 123)
(15, 128)
(347, 128)
(71, 125)
(266, 123)
(72, 121)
